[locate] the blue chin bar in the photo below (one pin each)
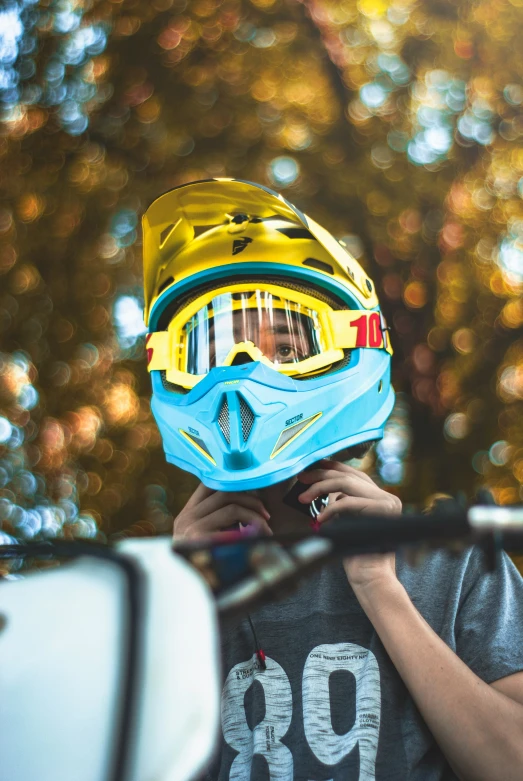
(247, 427)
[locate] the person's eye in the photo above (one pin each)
(286, 352)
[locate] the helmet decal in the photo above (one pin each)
(239, 245)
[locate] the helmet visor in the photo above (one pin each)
(284, 331)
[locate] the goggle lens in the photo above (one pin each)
(284, 331)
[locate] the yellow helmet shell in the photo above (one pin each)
(224, 222)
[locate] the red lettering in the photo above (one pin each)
(361, 325)
(149, 350)
(375, 335)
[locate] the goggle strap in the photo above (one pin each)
(159, 351)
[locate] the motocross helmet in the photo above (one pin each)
(266, 345)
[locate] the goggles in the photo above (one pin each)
(290, 331)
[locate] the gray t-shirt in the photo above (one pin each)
(330, 704)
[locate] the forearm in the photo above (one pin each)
(479, 730)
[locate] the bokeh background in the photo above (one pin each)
(396, 124)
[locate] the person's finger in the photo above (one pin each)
(330, 463)
(356, 504)
(339, 466)
(345, 484)
(201, 493)
(223, 498)
(313, 475)
(227, 516)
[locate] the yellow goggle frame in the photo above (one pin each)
(340, 329)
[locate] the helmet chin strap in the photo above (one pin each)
(313, 509)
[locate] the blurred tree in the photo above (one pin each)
(395, 124)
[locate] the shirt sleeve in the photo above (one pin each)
(489, 621)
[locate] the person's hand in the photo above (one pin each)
(353, 491)
(208, 512)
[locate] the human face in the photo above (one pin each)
(280, 335)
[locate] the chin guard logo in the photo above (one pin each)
(239, 245)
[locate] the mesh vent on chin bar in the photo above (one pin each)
(223, 420)
(246, 419)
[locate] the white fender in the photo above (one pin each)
(63, 647)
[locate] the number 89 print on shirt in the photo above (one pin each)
(266, 737)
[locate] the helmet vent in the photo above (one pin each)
(319, 264)
(199, 444)
(164, 235)
(289, 434)
(165, 284)
(296, 233)
(200, 229)
(246, 417)
(223, 420)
